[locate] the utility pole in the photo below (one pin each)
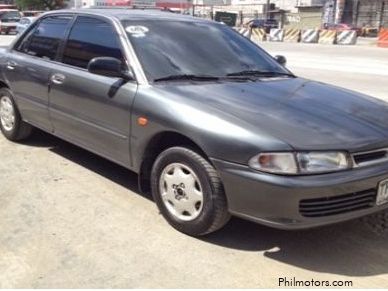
(382, 11)
(335, 11)
(193, 8)
(267, 9)
(357, 14)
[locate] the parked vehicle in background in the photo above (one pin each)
(370, 31)
(342, 27)
(24, 23)
(226, 18)
(9, 18)
(266, 24)
(32, 13)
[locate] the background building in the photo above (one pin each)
(290, 13)
(367, 12)
(313, 13)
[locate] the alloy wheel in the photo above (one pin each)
(181, 191)
(7, 113)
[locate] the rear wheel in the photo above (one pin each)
(189, 192)
(11, 124)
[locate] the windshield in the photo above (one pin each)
(10, 15)
(170, 48)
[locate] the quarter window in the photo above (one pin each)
(90, 38)
(43, 41)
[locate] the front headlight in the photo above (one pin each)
(321, 162)
(300, 162)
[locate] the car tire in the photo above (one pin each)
(11, 124)
(202, 207)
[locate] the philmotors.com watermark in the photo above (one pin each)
(293, 282)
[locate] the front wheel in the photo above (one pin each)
(188, 192)
(11, 124)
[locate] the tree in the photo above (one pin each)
(40, 4)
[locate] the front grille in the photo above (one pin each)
(327, 206)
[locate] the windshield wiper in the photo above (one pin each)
(187, 77)
(258, 73)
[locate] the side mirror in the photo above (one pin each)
(110, 67)
(281, 60)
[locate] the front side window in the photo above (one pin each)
(169, 47)
(43, 41)
(90, 38)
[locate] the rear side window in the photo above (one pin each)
(90, 38)
(43, 41)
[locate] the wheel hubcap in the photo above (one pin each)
(181, 191)
(7, 113)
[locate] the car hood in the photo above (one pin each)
(305, 114)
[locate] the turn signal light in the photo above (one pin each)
(142, 121)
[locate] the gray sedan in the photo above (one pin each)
(213, 125)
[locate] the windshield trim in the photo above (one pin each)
(130, 54)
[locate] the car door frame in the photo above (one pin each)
(132, 61)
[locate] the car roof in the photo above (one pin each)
(130, 14)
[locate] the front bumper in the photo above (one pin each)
(279, 201)
(8, 26)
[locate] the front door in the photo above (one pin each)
(87, 109)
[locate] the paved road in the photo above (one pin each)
(360, 68)
(71, 219)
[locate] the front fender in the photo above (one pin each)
(218, 134)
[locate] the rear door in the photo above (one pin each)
(87, 109)
(29, 64)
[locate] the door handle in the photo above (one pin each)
(58, 79)
(11, 65)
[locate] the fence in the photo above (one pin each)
(367, 12)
